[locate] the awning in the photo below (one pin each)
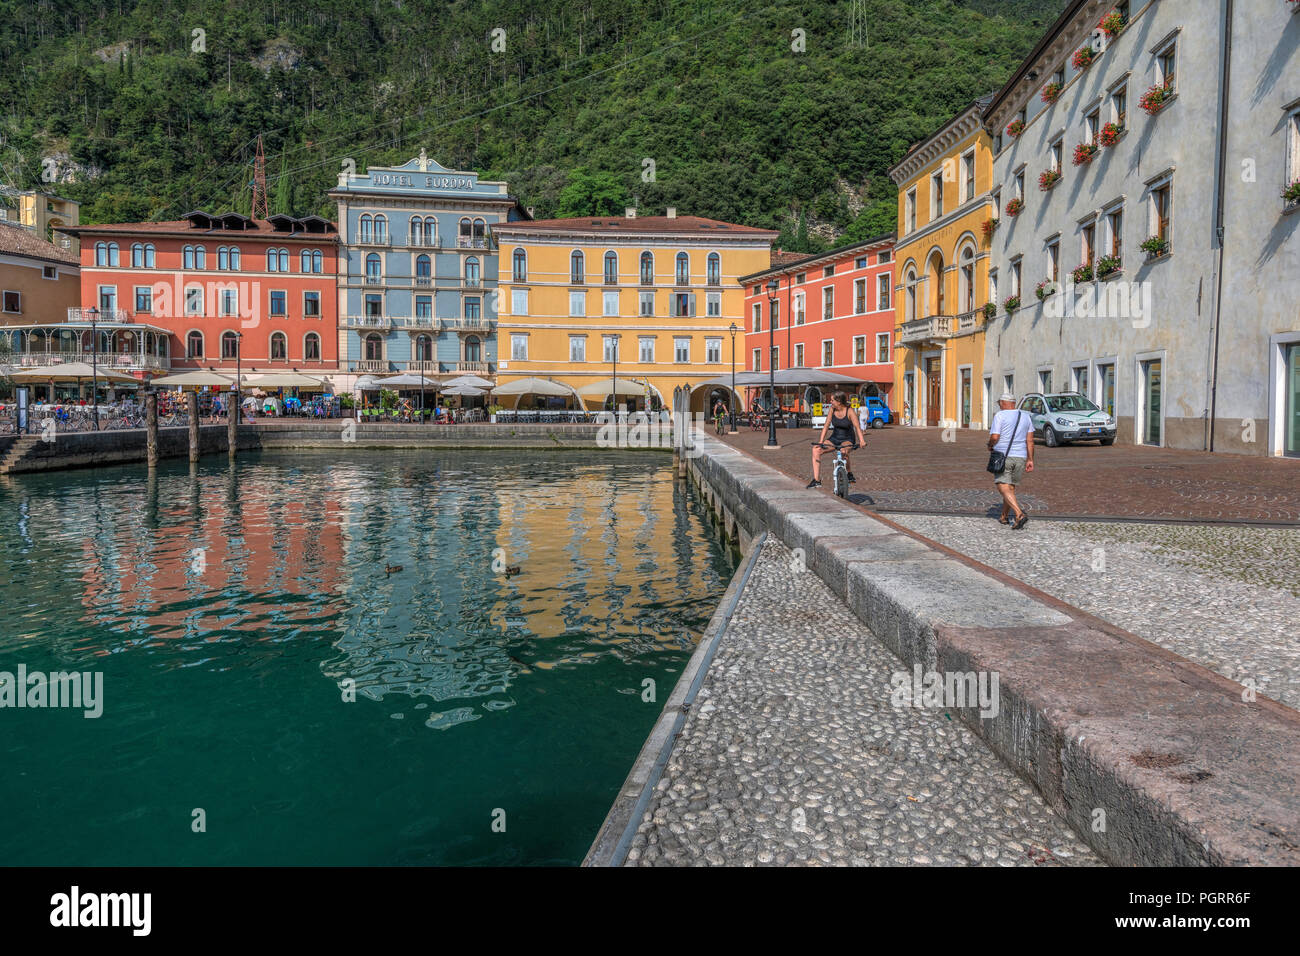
(473, 381)
(406, 380)
(195, 379)
(283, 380)
(532, 386)
(605, 386)
(810, 376)
(71, 370)
(466, 390)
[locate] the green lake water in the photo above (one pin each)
(230, 608)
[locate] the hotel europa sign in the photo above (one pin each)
(425, 180)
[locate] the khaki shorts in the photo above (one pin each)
(1011, 474)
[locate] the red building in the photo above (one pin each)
(221, 286)
(833, 311)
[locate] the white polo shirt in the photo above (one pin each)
(1011, 432)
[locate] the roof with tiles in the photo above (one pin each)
(233, 224)
(17, 241)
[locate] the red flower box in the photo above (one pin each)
(1083, 57)
(1154, 99)
(1084, 152)
(1109, 134)
(1014, 207)
(1048, 178)
(1051, 92)
(1015, 128)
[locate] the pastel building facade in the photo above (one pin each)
(1174, 254)
(648, 301)
(833, 311)
(941, 274)
(418, 276)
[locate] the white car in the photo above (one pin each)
(1066, 417)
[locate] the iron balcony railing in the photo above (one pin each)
(99, 315)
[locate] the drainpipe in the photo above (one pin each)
(1225, 73)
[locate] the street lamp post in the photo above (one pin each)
(613, 383)
(238, 410)
(731, 400)
(772, 287)
(94, 362)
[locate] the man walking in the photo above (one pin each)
(1011, 432)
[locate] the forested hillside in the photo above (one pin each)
(719, 107)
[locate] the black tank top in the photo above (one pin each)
(841, 429)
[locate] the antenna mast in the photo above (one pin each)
(260, 208)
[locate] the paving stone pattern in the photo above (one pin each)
(1227, 598)
(793, 754)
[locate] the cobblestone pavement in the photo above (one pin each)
(916, 469)
(1227, 598)
(793, 754)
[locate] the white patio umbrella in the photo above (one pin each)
(282, 380)
(807, 376)
(532, 386)
(368, 383)
(473, 381)
(465, 390)
(195, 379)
(407, 380)
(604, 386)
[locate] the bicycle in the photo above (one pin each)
(839, 468)
(720, 422)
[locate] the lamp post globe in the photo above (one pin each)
(94, 362)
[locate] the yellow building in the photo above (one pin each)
(42, 214)
(648, 302)
(941, 273)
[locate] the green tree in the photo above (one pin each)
(591, 194)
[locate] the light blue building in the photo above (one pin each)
(418, 270)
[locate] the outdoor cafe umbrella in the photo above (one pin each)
(811, 376)
(283, 380)
(532, 386)
(473, 381)
(467, 390)
(195, 379)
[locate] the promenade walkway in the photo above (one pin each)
(794, 753)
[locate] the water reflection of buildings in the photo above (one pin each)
(205, 555)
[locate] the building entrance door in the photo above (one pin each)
(1151, 402)
(932, 391)
(1291, 441)
(965, 397)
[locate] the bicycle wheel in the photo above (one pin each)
(841, 481)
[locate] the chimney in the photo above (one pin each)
(672, 212)
(530, 212)
(629, 212)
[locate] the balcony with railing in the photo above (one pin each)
(932, 328)
(424, 282)
(473, 242)
(419, 322)
(374, 280)
(469, 325)
(99, 315)
(468, 368)
(371, 239)
(424, 242)
(422, 366)
(969, 322)
(368, 321)
(370, 366)
(119, 361)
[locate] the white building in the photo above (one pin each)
(1196, 345)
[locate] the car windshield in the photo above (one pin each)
(1070, 403)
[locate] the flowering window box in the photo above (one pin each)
(1015, 128)
(1292, 192)
(990, 310)
(1011, 303)
(1155, 247)
(1083, 274)
(1113, 24)
(1083, 57)
(1157, 97)
(1048, 178)
(1084, 152)
(1051, 92)
(1108, 266)
(990, 226)
(1015, 207)
(1110, 134)
(1045, 288)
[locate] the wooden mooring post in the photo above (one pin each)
(192, 401)
(151, 427)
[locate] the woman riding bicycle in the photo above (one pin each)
(844, 430)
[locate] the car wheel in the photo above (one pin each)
(878, 423)
(1049, 436)
(1108, 441)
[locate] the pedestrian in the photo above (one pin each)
(845, 431)
(1011, 447)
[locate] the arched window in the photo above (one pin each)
(465, 230)
(381, 229)
(229, 345)
(431, 230)
(374, 347)
(647, 268)
(284, 260)
(611, 268)
(423, 267)
(187, 257)
(417, 231)
(234, 257)
(966, 280)
(311, 347)
(317, 261)
(194, 345)
(423, 348)
(682, 275)
(909, 284)
(480, 234)
(304, 261)
(112, 254)
(473, 349)
(272, 261)
(101, 253)
(366, 228)
(715, 269)
(137, 255)
(149, 255)
(200, 257)
(577, 271)
(372, 266)
(520, 267)
(471, 270)
(934, 274)
(223, 257)
(279, 347)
